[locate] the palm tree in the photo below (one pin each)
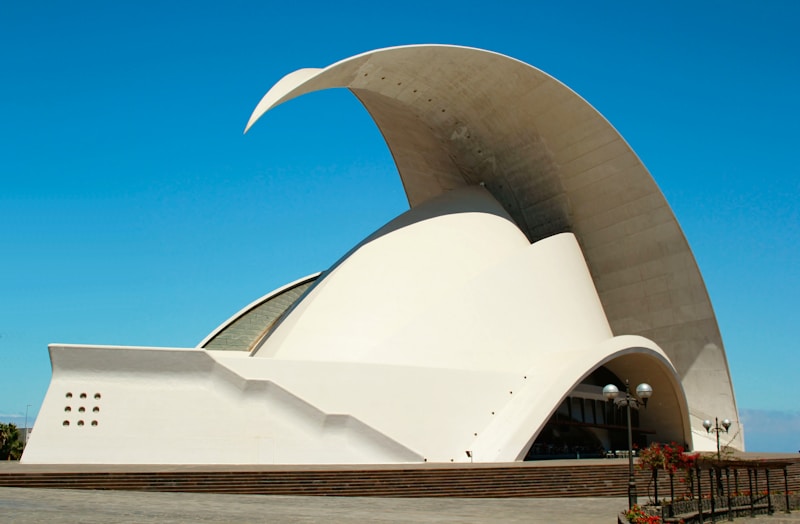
(10, 444)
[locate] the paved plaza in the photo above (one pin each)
(21, 505)
(57, 506)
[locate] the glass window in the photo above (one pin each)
(577, 409)
(563, 410)
(588, 411)
(600, 411)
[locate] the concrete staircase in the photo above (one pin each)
(584, 478)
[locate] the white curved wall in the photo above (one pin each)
(393, 357)
(192, 406)
(446, 330)
(452, 284)
(455, 116)
(184, 406)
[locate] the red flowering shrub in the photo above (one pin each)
(669, 457)
(636, 515)
(672, 459)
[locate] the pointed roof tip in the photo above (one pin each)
(285, 89)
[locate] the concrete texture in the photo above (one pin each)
(456, 355)
(455, 116)
(19, 505)
(56, 506)
(537, 249)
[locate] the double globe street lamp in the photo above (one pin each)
(643, 392)
(716, 428)
(726, 424)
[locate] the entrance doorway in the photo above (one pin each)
(586, 425)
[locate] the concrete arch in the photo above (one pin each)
(511, 434)
(667, 411)
(455, 116)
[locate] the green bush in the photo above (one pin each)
(10, 444)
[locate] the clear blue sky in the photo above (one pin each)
(134, 212)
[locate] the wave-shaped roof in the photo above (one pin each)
(455, 116)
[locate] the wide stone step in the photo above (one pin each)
(581, 479)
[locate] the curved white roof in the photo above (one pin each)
(455, 116)
(461, 325)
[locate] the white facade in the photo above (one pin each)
(459, 326)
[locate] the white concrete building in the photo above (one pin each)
(538, 261)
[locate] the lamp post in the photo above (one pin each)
(643, 392)
(726, 424)
(25, 441)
